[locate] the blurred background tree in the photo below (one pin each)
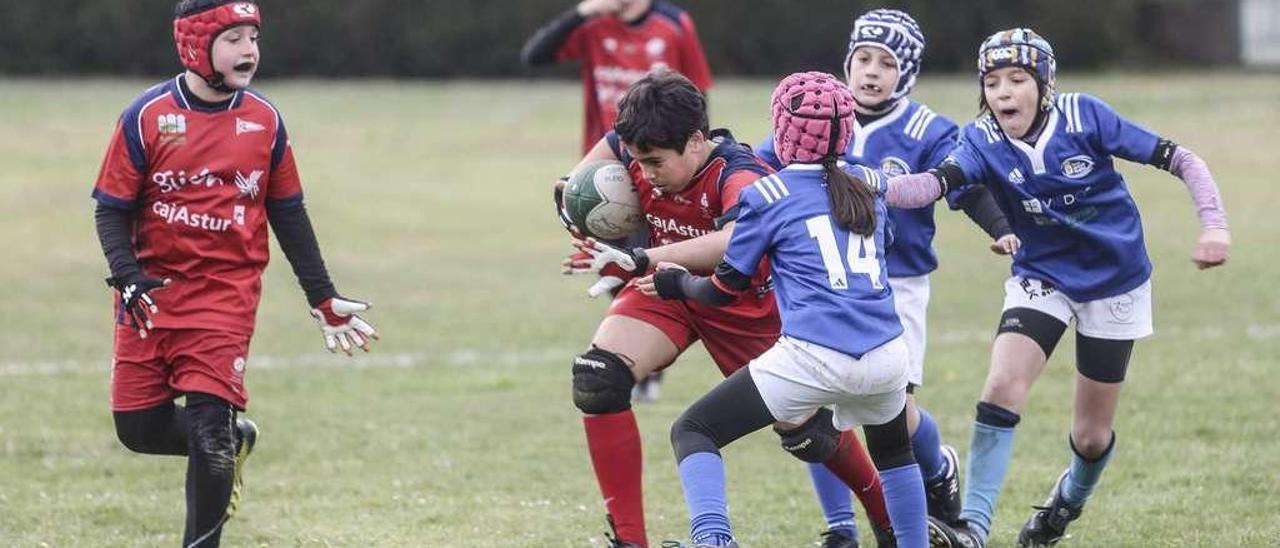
(482, 38)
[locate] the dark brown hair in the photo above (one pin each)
(852, 202)
(661, 110)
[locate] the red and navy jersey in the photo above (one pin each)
(198, 180)
(615, 54)
(701, 208)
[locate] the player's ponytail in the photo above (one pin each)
(852, 202)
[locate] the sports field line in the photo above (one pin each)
(372, 360)
(469, 357)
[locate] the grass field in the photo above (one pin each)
(432, 201)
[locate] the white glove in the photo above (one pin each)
(615, 266)
(341, 326)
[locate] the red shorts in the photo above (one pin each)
(170, 362)
(733, 335)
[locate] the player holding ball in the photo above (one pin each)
(688, 177)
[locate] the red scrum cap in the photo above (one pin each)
(812, 117)
(197, 23)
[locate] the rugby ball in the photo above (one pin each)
(601, 199)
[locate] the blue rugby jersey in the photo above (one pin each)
(1079, 226)
(908, 139)
(832, 285)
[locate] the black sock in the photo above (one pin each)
(160, 430)
(210, 468)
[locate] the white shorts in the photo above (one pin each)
(1126, 316)
(796, 377)
(911, 300)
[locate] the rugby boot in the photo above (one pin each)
(1048, 524)
(838, 538)
(244, 447)
(960, 535)
(942, 494)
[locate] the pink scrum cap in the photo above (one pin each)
(812, 117)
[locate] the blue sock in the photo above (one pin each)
(989, 452)
(1084, 473)
(926, 443)
(904, 499)
(836, 500)
(702, 475)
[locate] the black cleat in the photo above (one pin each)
(885, 537)
(943, 535)
(837, 538)
(613, 540)
(1049, 524)
(244, 447)
(943, 494)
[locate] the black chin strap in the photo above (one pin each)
(218, 82)
(835, 129)
(876, 110)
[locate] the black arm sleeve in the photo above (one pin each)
(981, 207)
(115, 233)
(293, 230)
(680, 284)
(542, 46)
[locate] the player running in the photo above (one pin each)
(617, 42)
(899, 136)
(197, 167)
(1048, 159)
(688, 177)
(821, 223)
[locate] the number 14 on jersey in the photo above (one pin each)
(861, 254)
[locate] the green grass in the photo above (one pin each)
(431, 199)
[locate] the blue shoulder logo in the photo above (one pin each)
(894, 167)
(1077, 167)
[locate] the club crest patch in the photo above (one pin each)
(894, 167)
(1077, 167)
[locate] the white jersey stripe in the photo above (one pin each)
(1075, 111)
(924, 125)
(910, 128)
(777, 181)
(768, 198)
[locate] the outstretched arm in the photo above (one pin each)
(341, 327)
(920, 189)
(671, 281)
(1213, 247)
(293, 230)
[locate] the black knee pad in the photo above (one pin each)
(211, 438)
(1042, 328)
(602, 382)
(890, 443)
(815, 440)
(1102, 360)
